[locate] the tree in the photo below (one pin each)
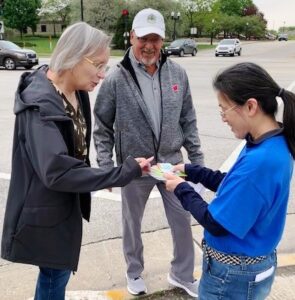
(254, 26)
(55, 10)
(20, 14)
(106, 14)
(251, 10)
(202, 15)
(120, 29)
(103, 14)
(196, 9)
(1, 7)
(233, 7)
(190, 8)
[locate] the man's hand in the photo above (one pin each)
(145, 164)
(172, 181)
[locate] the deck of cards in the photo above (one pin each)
(158, 171)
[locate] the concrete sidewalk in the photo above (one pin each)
(101, 273)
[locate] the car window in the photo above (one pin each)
(9, 45)
(226, 42)
(177, 43)
(283, 35)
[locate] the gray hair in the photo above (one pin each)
(77, 41)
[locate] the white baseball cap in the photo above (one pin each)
(148, 21)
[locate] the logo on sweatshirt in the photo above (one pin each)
(175, 88)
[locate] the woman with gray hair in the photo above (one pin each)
(51, 177)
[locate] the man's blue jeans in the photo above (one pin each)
(51, 284)
(221, 281)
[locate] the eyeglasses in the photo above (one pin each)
(100, 68)
(223, 113)
(154, 40)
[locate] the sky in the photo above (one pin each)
(278, 13)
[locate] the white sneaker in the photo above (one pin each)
(190, 287)
(136, 286)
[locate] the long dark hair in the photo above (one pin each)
(248, 80)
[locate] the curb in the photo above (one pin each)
(284, 260)
(96, 295)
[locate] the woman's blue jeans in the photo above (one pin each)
(51, 284)
(221, 281)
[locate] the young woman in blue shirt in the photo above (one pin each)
(245, 221)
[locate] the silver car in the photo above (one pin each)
(228, 47)
(283, 37)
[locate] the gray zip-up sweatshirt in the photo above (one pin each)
(123, 119)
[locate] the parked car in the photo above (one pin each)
(283, 37)
(181, 47)
(228, 47)
(12, 56)
(270, 36)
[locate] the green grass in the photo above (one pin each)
(44, 47)
(205, 46)
(117, 52)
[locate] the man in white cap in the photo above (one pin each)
(144, 108)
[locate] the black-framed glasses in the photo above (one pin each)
(100, 68)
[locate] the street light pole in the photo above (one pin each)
(125, 14)
(247, 24)
(82, 12)
(175, 16)
(212, 29)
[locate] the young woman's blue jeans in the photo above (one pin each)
(51, 284)
(221, 281)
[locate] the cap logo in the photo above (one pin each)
(152, 19)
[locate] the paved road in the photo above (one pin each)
(217, 140)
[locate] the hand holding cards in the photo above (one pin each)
(158, 171)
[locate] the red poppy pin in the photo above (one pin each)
(175, 88)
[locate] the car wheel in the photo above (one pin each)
(28, 67)
(181, 53)
(194, 52)
(9, 64)
(216, 54)
(240, 52)
(232, 54)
